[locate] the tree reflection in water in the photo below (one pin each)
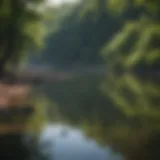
(137, 137)
(138, 99)
(129, 121)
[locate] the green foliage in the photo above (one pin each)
(117, 6)
(36, 122)
(137, 44)
(152, 5)
(77, 40)
(21, 29)
(139, 99)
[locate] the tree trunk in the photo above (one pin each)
(10, 36)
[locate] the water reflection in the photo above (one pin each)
(74, 145)
(126, 117)
(134, 95)
(124, 120)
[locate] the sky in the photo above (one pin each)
(50, 4)
(58, 2)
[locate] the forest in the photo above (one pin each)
(118, 107)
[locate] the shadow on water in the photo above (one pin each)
(12, 147)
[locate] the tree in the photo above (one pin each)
(21, 29)
(79, 37)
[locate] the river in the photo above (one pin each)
(94, 118)
(68, 143)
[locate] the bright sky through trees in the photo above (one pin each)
(58, 2)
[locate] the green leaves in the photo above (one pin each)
(135, 43)
(26, 23)
(117, 6)
(5, 8)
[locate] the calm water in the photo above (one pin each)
(112, 118)
(119, 112)
(67, 143)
